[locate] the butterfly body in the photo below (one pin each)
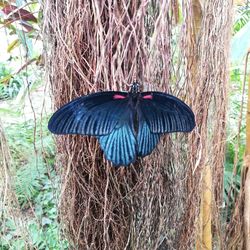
(127, 124)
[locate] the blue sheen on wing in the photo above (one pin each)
(165, 113)
(120, 145)
(146, 140)
(95, 114)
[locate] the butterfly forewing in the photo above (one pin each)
(166, 113)
(95, 114)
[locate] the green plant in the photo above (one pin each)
(9, 85)
(22, 28)
(29, 180)
(242, 17)
(34, 180)
(36, 186)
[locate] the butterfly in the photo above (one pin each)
(127, 124)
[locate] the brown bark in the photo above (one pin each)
(104, 45)
(204, 236)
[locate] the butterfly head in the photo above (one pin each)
(135, 87)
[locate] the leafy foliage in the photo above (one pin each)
(242, 17)
(9, 86)
(34, 180)
(36, 186)
(29, 180)
(235, 145)
(23, 31)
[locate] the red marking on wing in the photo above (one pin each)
(119, 97)
(148, 97)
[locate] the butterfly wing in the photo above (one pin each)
(146, 140)
(165, 113)
(94, 114)
(120, 145)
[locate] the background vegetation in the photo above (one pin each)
(29, 216)
(29, 219)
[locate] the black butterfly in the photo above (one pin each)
(127, 124)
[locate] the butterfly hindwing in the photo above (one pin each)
(95, 114)
(165, 113)
(146, 140)
(120, 145)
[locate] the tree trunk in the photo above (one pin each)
(246, 179)
(104, 45)
(204, 237)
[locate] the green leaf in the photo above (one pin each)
(13, 45)
(26, 42)
(6, 79)
(8, 111)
